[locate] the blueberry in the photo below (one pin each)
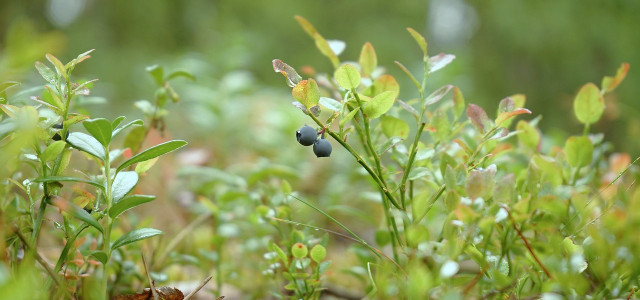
(306, 135)
(322, 148)
(57, 126)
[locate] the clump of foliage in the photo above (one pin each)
(475, 206)
(38, 141)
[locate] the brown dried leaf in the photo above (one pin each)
(165, 292)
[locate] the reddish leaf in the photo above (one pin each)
(478, 117)
(610, 83)
(290, 73)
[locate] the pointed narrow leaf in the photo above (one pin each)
(62, 71)
(46, 72)
(157, 73)
(54, 98)
(73, 119)
(86, 143)
(419, 39)
(7, 85)
(610, 83)
(307, 92)
(71, 179)
(123, 184)
(326, 50)
(78, 213)
(440, 61)
(368, 59)
(100, 129)
(408, 108)
(349, 116)
(347, 77)
(117, 122)
(137, 122)
(379, 104)
(406, 71)
(134, 236)
(129, 202)
(153, 152)
(306, 25)
(388, 144)
(504, 116)
(588, 104)
(181, 73)
(458, 102)
(331, 104)
(52, 151)
(437, 95)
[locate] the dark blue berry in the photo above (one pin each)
(306, 135)
(322, 148)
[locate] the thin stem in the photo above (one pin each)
(412, 157)
(106, 240)
(526, 243)
(361, 161)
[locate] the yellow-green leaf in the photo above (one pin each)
(347, 77)
(579, 151)
(610, 83)
(588, 104)
(52, 151)
(422, 42)
(307, 93)
(368, 59)
(379, 104)
(392, 126)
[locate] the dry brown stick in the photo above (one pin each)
(43, 263)
(526, 243)
(153, 288)
(202, 284)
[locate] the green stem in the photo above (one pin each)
(360, 160)
(412, 157)
(106, 244)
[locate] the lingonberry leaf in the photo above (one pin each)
(86, 143)
(134, 236)
(129, 202)
(122, 184)
(153, 152)
(100, 129)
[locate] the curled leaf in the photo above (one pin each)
(290, 73)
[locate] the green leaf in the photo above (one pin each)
(100, 129)
(134, 236)
(52, 98)
(368, 59)
(318, 253)
(52, 151)
(134, 138)
(440, 121)
(382, 84)
(137, 122)
(437, 95)
(181, 73)
(283, 257)
(144, 166)
(380, 104)
(62, 71)
(117, 122)
(528, 134)
(349, 116)
(46, 73)
(129, 202)
(71, 179)
(86, 143)
(306, 26)
(458, 102)
(579, 151)
(157, 73)
(326, 50)
(417, 173)
(7, 85)
(419, 39)
(588, 104)
(100, 256)
(331, 104)
(392, 126)
(610, 83)
(123, 183)
(153, 152)
(79, 213)
(388, 144)
(79, 59)
(347, 77)
(307, 93)
(75, 118)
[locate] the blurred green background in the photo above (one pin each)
(544, 49)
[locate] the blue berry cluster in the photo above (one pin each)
(308, 136)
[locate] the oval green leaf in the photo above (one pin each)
(129, 202)
(52, 151)
(368, 59)
(123, 184)
(153, 152)
(100, 256)
(579, 151)
(379, 104)
(86, 143)
(392, 126)
(588, 104)
(134, 236)
(347, 77)
(100, 129)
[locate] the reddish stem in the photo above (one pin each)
(526, 243)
